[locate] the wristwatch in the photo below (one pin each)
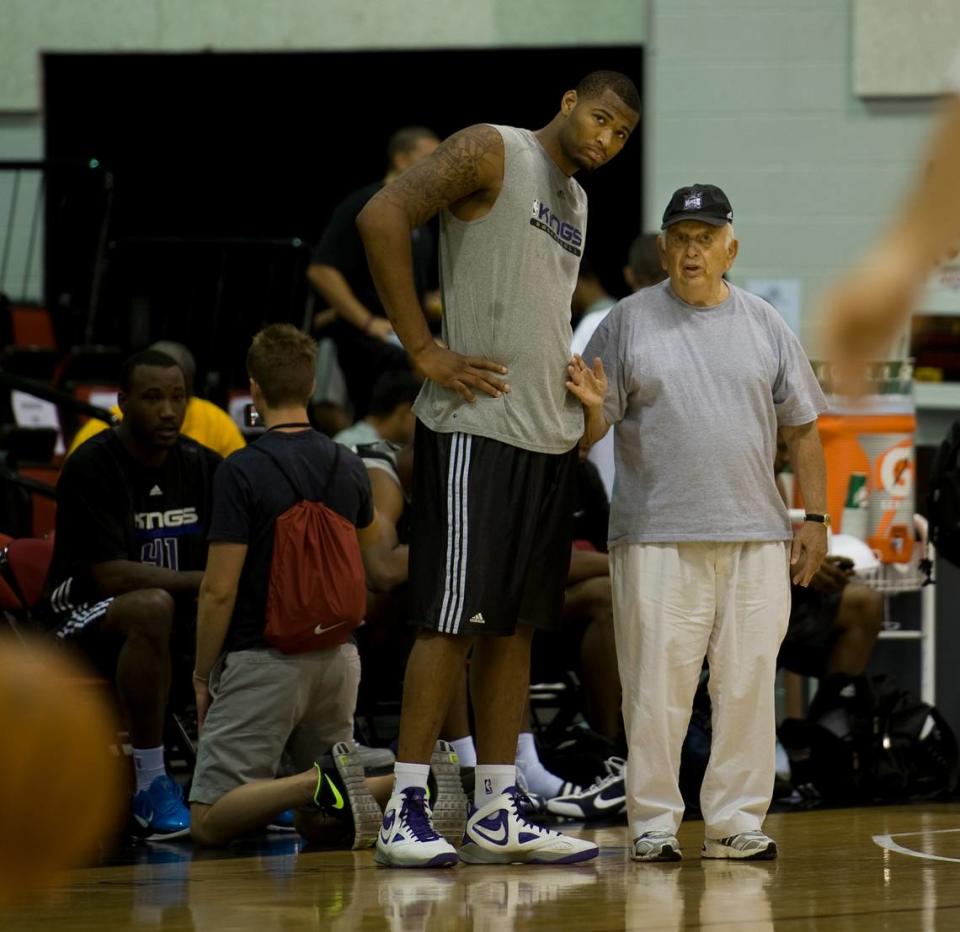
(818, 519)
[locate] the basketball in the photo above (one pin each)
(61, 785)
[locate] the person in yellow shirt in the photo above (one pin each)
(203, 422)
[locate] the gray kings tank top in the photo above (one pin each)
(507, 280)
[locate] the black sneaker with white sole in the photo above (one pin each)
(342, 792)
(606, 799)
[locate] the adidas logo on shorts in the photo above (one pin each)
(478, 619)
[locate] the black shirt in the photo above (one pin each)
(111, 506)
(249, 495)
(342, 248)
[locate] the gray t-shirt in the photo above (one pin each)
(696, 395)
(507, 280)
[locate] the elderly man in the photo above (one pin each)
(701, 375)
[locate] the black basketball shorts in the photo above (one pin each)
(490, 534)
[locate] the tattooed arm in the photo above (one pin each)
(464, 175)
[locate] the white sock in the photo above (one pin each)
(527, 749)
(491, 780)
(148, 765)
(406, 776)
(539, 779)
(466, 751)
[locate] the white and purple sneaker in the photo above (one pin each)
(407, 837)
(497, 833)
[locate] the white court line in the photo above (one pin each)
(887, 842)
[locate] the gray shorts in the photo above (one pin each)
(269, 706)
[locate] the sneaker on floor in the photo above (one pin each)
(497, 833)
(746, 846)
(656, 846)
(342, 792)
(448, 801)
(160, 812)
(606, 799)
(407, 837)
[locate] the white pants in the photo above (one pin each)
(674, 604)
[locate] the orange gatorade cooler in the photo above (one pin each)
(875, 437)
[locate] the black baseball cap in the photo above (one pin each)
(704, 202)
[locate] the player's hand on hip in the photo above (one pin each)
(588, 384)
(807, 552)
(464, 374)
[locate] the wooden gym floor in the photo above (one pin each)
(879, 868)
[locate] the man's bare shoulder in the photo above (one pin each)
(468, 163)
(481, 140)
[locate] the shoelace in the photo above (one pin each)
(614, 767)
(413, 814)
(753, 836)
(516, 798)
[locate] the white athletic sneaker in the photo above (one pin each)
(497, 833)
(407, 837)
(746, 846)
(656, 846)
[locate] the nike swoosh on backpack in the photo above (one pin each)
(321, 630)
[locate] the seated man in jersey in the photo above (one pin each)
(390, 416)
(133, 506)
(203, 421)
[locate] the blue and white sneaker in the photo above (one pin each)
(407, 837)
(160, 812)
(497, 833)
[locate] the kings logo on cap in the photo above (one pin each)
(693, 201)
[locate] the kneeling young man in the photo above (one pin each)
(254, 703)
